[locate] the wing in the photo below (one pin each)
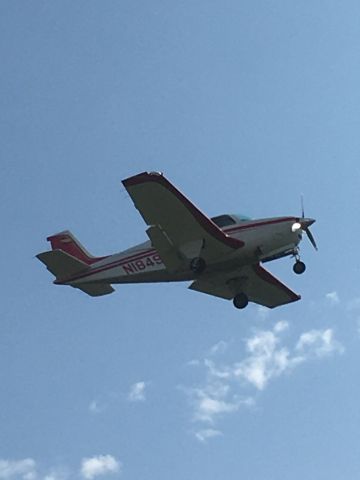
(178, 229)
(258, 284)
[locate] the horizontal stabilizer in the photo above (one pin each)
(95, 289)
(61, 264)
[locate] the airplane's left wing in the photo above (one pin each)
(258, 284)
(177, 228)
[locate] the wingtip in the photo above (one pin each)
(141, 178)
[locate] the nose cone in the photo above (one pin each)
(306, 222)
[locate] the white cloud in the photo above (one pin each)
(263, 312)
(193, 363)
(219, 347)
(137, 392)
(214, 371)
(281, 326)
(225, 388)
(333, 298)
(205, 434)
(99, 465)
(266, 358)
(19, 469)
(214, 400)
(57, 474)
(96, 407)
(211, 404)
(319, 343)
(27, 469)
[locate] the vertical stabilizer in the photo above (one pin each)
(67, 242)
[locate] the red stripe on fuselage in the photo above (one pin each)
(256, 224)
(143, 254)
(108, 266)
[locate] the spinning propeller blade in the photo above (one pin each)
(311, 238)
(305, 224)
(302, 206)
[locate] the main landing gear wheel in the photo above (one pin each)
(197, 265)
(299, 267)
(240, 300)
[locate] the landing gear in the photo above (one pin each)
(299, 267)
(240, 300)
(197, 265)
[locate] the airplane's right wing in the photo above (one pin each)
(177, 228)
(258, 284)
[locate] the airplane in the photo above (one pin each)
(222, 256)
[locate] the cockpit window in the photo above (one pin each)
(242, 218)
(223, 220)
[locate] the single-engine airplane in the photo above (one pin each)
(222, 256)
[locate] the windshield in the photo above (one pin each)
(223, 220)
(242, 218)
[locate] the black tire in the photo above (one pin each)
(197, 265)
(299, 267)
(240, 301)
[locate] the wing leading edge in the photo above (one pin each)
(256, 282)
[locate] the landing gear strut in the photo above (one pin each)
(299, 267)
(240, 300)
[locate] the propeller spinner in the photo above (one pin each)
(304, 224)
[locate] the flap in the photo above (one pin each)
(166, 249)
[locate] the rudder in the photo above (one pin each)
(68, 243)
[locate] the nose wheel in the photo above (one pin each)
(299, 267)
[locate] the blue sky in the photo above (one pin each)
(244, 106)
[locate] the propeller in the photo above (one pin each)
(304, 224)
(302, 206)
(311, 238)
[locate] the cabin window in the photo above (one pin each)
(223, 221)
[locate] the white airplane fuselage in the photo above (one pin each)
(263, 240)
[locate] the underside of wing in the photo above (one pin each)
(178, 229)
(215, 285)
(259, 285)
(265, 289)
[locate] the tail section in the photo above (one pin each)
(69, 258)
(67, 242)
(61, 264)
